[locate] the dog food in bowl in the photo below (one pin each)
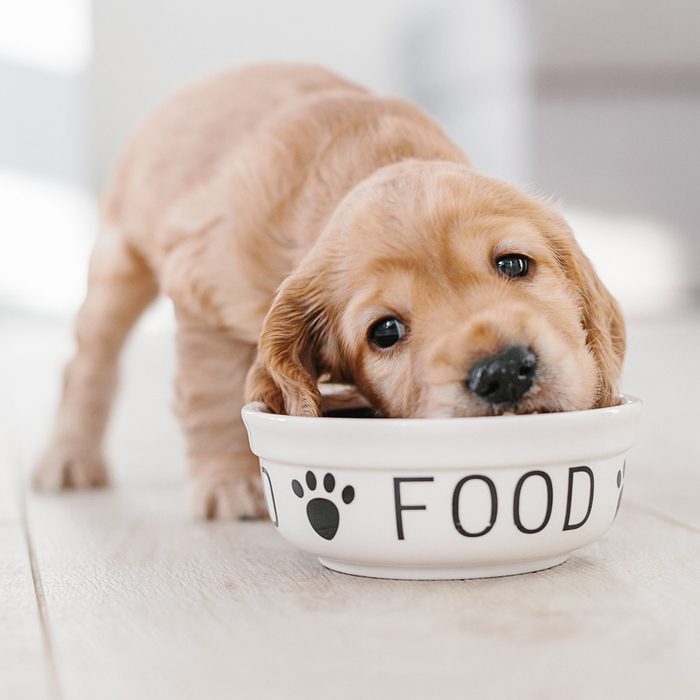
(448, 498)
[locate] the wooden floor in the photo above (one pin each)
(119, 594)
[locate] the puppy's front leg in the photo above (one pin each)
(120, 287)
(212, 366)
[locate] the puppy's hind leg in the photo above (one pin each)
(224, 474)
(120, 286)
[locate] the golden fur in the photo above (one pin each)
(285, 208)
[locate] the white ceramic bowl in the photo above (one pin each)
(443, 498)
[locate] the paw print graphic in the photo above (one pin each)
(322, 513)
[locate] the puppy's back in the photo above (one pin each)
(181, 143)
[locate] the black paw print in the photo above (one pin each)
(322, 513)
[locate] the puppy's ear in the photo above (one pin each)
(285, 373)
(601, 318)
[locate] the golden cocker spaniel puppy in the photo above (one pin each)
(306, 229)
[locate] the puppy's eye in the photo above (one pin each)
(513, 265)
(387, 332)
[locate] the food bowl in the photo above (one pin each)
(447, 498)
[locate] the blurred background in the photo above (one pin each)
(595, 102)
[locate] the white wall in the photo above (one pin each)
(145, 50)
(594, 102)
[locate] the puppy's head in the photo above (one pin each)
(440, 292)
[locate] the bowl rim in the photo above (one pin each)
(412, 443)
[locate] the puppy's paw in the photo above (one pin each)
(64, 466)
(235, 496)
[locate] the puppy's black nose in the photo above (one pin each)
(505, 377)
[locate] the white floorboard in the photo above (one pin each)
(25, 663)
(142, 602)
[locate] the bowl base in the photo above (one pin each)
(438, 573)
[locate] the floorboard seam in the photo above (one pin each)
(54, 684)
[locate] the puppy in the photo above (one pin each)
(307, 230)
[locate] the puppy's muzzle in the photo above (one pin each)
(504, 378)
